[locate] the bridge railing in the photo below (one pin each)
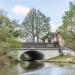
(37, 45)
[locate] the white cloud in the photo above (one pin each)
(21, 10)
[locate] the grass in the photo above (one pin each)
(63, 58)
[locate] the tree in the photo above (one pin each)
(67, 30)
(7, 33)
(35, 24)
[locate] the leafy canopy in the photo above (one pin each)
(7, 33)
(35, 25)
(67, 30)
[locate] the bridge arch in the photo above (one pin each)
(32, 55)
(47, 53)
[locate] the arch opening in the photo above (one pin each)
(32, 55)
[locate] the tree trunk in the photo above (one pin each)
(37, 38)
(61, 51)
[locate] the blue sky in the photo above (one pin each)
(18, 9)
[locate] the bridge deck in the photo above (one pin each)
(36, 49)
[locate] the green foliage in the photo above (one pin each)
(67, 30)
(13, 55)
(7, 33)
(35, 24)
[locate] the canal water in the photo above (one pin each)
(38, 68)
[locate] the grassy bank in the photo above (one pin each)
(61, 59)
(64, 59)
(5, 60)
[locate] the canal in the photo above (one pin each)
(38, 68)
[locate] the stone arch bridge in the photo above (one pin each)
(37, 53)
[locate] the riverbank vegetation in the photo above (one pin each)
(60, 59)
(67, 29)
(63, 59)
(8, 35)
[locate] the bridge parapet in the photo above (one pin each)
(36, 49)
(37, 45)
(48, 50)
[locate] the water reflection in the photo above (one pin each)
(31, 66)
(38, 68)
(8, 70)
(65, 65)
(47, 68)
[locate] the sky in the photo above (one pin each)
(18, 9)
